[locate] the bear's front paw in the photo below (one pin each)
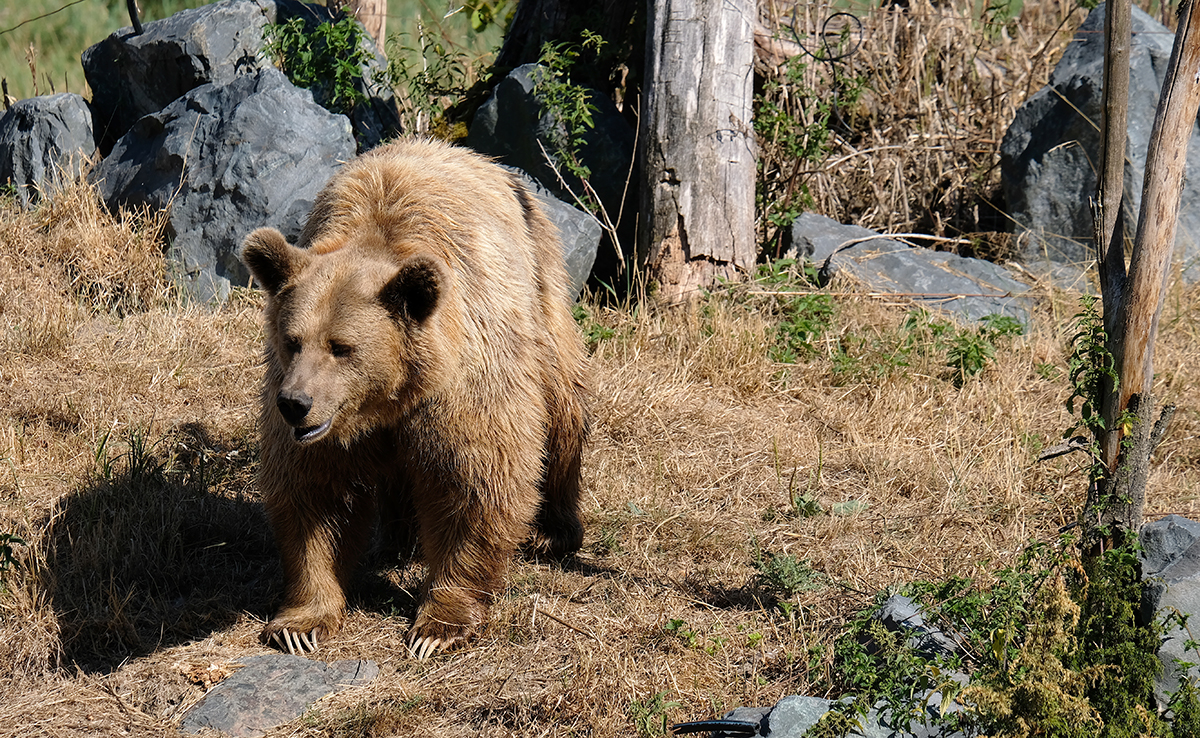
(295, 636)
(291, 642)
(428, 639)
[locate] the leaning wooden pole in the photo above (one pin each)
(1114, 111)
(1116, 503)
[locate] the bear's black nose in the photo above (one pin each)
(293, 406)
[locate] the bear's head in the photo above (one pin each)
(350, 342)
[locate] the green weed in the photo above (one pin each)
(793, 117)
(430, 78)
(8, 559)
(783, 576)
(594, 332)
(1051, 649)
(327, 59)
(803, 319)
(679, 629)
(649, 716)
(569, 104)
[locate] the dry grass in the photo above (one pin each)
(919, 152)
(127, 437)
(126, 432)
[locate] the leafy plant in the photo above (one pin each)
(327, 59)
(971, 351)
(802, 320)
(680, 629)
(1091, 369)
(794, 117)
(649, 716)
(8, 559)
(569, 104)
(784, 576)
(1053, 649)
(593, 331)
(430, 78)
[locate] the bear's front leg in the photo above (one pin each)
(321, 535)
(467, 548)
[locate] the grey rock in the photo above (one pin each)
(900, 614)
(44, 142)
(271, 690)
(815, 237)
(132, 76)
(225, 159)
(968, 288)
(793, 716)
(578, 231)
(136, 75)
(1050, 150)
(1171, 570)
(512, 126)
(1165, 541)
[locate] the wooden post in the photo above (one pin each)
(696, 144)
(1116, 502)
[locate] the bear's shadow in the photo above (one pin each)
(156, 548)
(161, 546)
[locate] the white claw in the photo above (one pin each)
(290, 637)
(311, 645)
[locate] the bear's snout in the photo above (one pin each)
(294, 406)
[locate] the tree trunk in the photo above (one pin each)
(1115, 502)
(696, 144)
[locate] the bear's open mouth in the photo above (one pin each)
(312, 432)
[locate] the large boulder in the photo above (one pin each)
(1170, 559)
(514, 126)
(133, 75)
(578, 231)
(225, 159)
(44, 142)
(968, 288)
(1050, 152)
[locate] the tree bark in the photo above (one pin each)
(1110, 241)
(1115, 502)
(696, 144)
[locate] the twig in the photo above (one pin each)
(565, 624)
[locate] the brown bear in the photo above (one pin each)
(422, 365)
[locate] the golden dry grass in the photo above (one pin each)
(129, 456)
(942, 81)
(126, 432)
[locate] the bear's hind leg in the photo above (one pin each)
(559, 531)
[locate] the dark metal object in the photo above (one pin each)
(133, 16)
(728, 727)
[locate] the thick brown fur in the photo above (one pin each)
(420, 344)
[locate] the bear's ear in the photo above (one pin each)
(414, 292)
(269, 257)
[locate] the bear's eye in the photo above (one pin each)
(337, 348)
(291, 345)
